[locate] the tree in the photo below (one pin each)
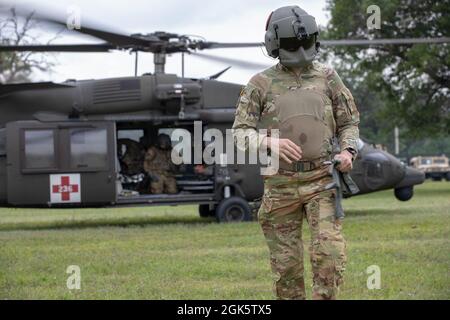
(18, 66)
(406, 86)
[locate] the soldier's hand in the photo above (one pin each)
(345, 159)
(287, 149)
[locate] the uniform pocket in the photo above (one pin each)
(348, 103)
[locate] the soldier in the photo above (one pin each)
(159, 166)
(132, 157)
(311, 107)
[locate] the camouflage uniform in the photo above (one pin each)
(279, 99)
(158, 165)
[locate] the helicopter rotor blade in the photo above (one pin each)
(201, 45)
(90, 29)
(230, 61)
(15, 87)
(59, 48)
(167, 43)
(218, 74)
(105, 47)
(375, 42)
(110, 37)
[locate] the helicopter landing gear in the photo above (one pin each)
(404, 193)
(233, 209)
(206, 211)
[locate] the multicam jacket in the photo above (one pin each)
(158, 160)
(310, 109)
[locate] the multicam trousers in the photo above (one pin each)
(288, 197)
(163, 182)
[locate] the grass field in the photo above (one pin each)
(171, 253)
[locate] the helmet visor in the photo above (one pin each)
(293, 44)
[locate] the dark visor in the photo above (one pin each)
(292, 44)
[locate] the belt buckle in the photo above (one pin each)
(300, 166)
(304, 166)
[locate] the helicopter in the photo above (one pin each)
(61, 143)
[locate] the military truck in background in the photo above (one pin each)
(435, 168)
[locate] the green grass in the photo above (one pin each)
(171, 253)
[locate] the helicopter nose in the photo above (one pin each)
(412, 177)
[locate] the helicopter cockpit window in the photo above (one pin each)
(39, 149)
(88, 148)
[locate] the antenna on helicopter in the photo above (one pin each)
(182, 65)
(136, 61)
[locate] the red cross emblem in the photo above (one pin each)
(65, 188)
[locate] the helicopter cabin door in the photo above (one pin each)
(61, 163)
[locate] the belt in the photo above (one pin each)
(303, 165)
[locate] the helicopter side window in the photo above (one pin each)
(39, 149)
(134, 135)
(88, 148)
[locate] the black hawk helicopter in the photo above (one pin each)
(62, 144)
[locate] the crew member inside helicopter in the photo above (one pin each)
(159, 166)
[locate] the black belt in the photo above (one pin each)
(303, 165)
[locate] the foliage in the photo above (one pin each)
(18, 66)
(405, 86)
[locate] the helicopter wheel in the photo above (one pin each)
(205, 211)
(404, 194)
(234, 209)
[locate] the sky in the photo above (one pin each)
(223, 21)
